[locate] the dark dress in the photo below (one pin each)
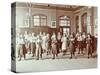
(59, 43)
(54, 48)
(88, 46)
(33, 48)
(84, 43)
(71, 46)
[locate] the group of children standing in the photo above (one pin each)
(53, 44)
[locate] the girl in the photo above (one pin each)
(88, 45)
(54, 46)
(38, 47)
(72, 46)
(33, 44)
(64, 43)
(59, 43)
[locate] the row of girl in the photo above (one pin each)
(54, 44)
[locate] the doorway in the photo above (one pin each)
(65, 30)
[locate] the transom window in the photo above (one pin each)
(64, 21)
(39, 20)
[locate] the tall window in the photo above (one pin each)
(64, 21)
(84, 22)
(39, 20)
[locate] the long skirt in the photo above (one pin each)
(89, 49)
(80, 44)
(84, 43)
(44, 46)
(49, 45)
(59, 43)
(64, 46)
(71, 48)
(54, 49)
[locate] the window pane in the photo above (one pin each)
(43, 22)
(64, 21)
(39, 20)
(36, 17)
(36, 22)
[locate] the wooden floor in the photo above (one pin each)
(60, 63)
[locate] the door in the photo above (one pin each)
(65, 30)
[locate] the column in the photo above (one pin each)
(80, 30)
(92, 21)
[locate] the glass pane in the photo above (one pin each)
(36, 22)
(39, 20)
(36, 16)
(63, 23)
(43, 22)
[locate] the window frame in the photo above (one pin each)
(40, 19)
(61, 18)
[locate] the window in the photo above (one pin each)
(39, 20)
(36, 21)
(64, 21)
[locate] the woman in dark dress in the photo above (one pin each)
(54, 46)
(79, 39)
(72, 46)
(84, 42)
(88, 45)
(59, 43)
(33, 44)
(48, 44)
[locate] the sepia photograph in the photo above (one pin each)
(53, 37)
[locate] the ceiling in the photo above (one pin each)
(50, 6)
(61, 6)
